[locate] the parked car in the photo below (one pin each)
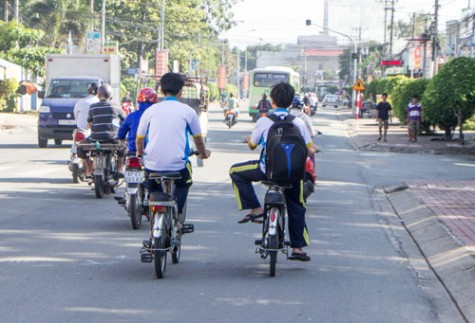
(331, 100)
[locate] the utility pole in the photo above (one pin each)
(103, 26)
(5, 11)
(16, 10)
(435, 42)
(413, 25)
(162, 26)
(392, 29)
(385, 17)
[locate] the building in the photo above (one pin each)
(313, 57)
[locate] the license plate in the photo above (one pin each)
(134, 177)
(99, 162)
(67, 122)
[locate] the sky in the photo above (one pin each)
(282, 21)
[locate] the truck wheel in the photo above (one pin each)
(42, 143)
(58, 142)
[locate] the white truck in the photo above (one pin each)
(67, 79)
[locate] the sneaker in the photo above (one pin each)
(379, 139)
(385, 140)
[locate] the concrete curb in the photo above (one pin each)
(453, 264)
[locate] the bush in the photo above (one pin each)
(230, 88)
(449, 98)
(8, 94)
(213, 92)
(384, 85)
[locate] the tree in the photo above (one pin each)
(449, 99)
(415, 27)
(403, 94)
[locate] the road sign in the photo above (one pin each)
(358, 86)
(93, 43)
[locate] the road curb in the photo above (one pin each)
(453, 263)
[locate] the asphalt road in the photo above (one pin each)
(67, 256)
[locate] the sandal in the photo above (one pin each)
(302, 256)
(252, 217)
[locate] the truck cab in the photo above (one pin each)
(56, 117)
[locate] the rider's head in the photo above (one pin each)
(92, 88)
(282, 95)
(104, 92)
(171, 84)
(264, 96)
(231, 95)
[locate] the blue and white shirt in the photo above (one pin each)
(168, 123)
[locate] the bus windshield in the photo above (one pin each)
(264, 79)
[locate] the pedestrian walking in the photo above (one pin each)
(414, 118)
(383, 113)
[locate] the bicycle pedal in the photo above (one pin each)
(258, 242)
(187, 228)
(146, 257)
(147, 244)
(175, 243)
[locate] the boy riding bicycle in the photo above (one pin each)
(243, 174)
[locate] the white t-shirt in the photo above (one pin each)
(306, 119)
(259, 135)
(167, 125)
(81, 110)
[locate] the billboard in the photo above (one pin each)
(222, 77)
(161, 63)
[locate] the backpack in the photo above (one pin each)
(286, 152)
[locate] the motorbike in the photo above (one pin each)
(74, 163)
(310, 178)
(230, 119)
(134, 196)
(104, 160)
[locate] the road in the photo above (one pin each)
(67, 256)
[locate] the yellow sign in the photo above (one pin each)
(111, 47)
(358, 86)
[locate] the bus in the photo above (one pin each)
(262, 80)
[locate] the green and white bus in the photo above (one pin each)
(262, 80)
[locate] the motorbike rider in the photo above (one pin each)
(297, 111)
(81, 108)
(146, 98)
(232, 105)
(104, 120)
(264, 105)
(167, 125)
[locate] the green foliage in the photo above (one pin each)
(129, 84)
(13, 32)
(213, 92)
(450, 96)
(469, 124)
(8, 95)
(403, 94)
(231, 88)
(32, 59)
(384, 85)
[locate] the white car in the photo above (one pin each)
(331, 100)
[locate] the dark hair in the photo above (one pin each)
(385, 94)
(171, 83)
(415, 96)
(264, 96)
(92, 88)
(231, 95)
(282, 94)
(104, 92)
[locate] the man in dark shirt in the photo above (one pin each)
(104, 120)
(383, 114)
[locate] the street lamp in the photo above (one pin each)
(308, 22)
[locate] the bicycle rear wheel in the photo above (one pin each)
(160, 256)
(273, 244)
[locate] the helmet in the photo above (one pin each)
(147, 95)
(92, 88)
(104, 92)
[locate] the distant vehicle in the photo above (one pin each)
(262, 80)
(67, 79)
(331, 100)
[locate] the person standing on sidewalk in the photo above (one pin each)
(414, 118)
(383, 114)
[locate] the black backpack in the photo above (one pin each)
(286, 152)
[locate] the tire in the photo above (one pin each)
(254, 117)
(75, 173)
(58, 142)
(230, 124)
(42, 143)
(160, 257)
(177, 251)
(98, 186)
(273, 244)
(134, 211)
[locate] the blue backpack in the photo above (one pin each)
(286, 152)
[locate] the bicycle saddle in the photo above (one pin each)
(165, 175)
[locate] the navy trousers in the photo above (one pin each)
(243, 174)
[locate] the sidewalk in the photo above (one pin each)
(364, 135)
(10, 121)
(438, 215)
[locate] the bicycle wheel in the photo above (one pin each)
(75, 173)
(176, 252)
(160, 256)
(98, 186)
(273, 244)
